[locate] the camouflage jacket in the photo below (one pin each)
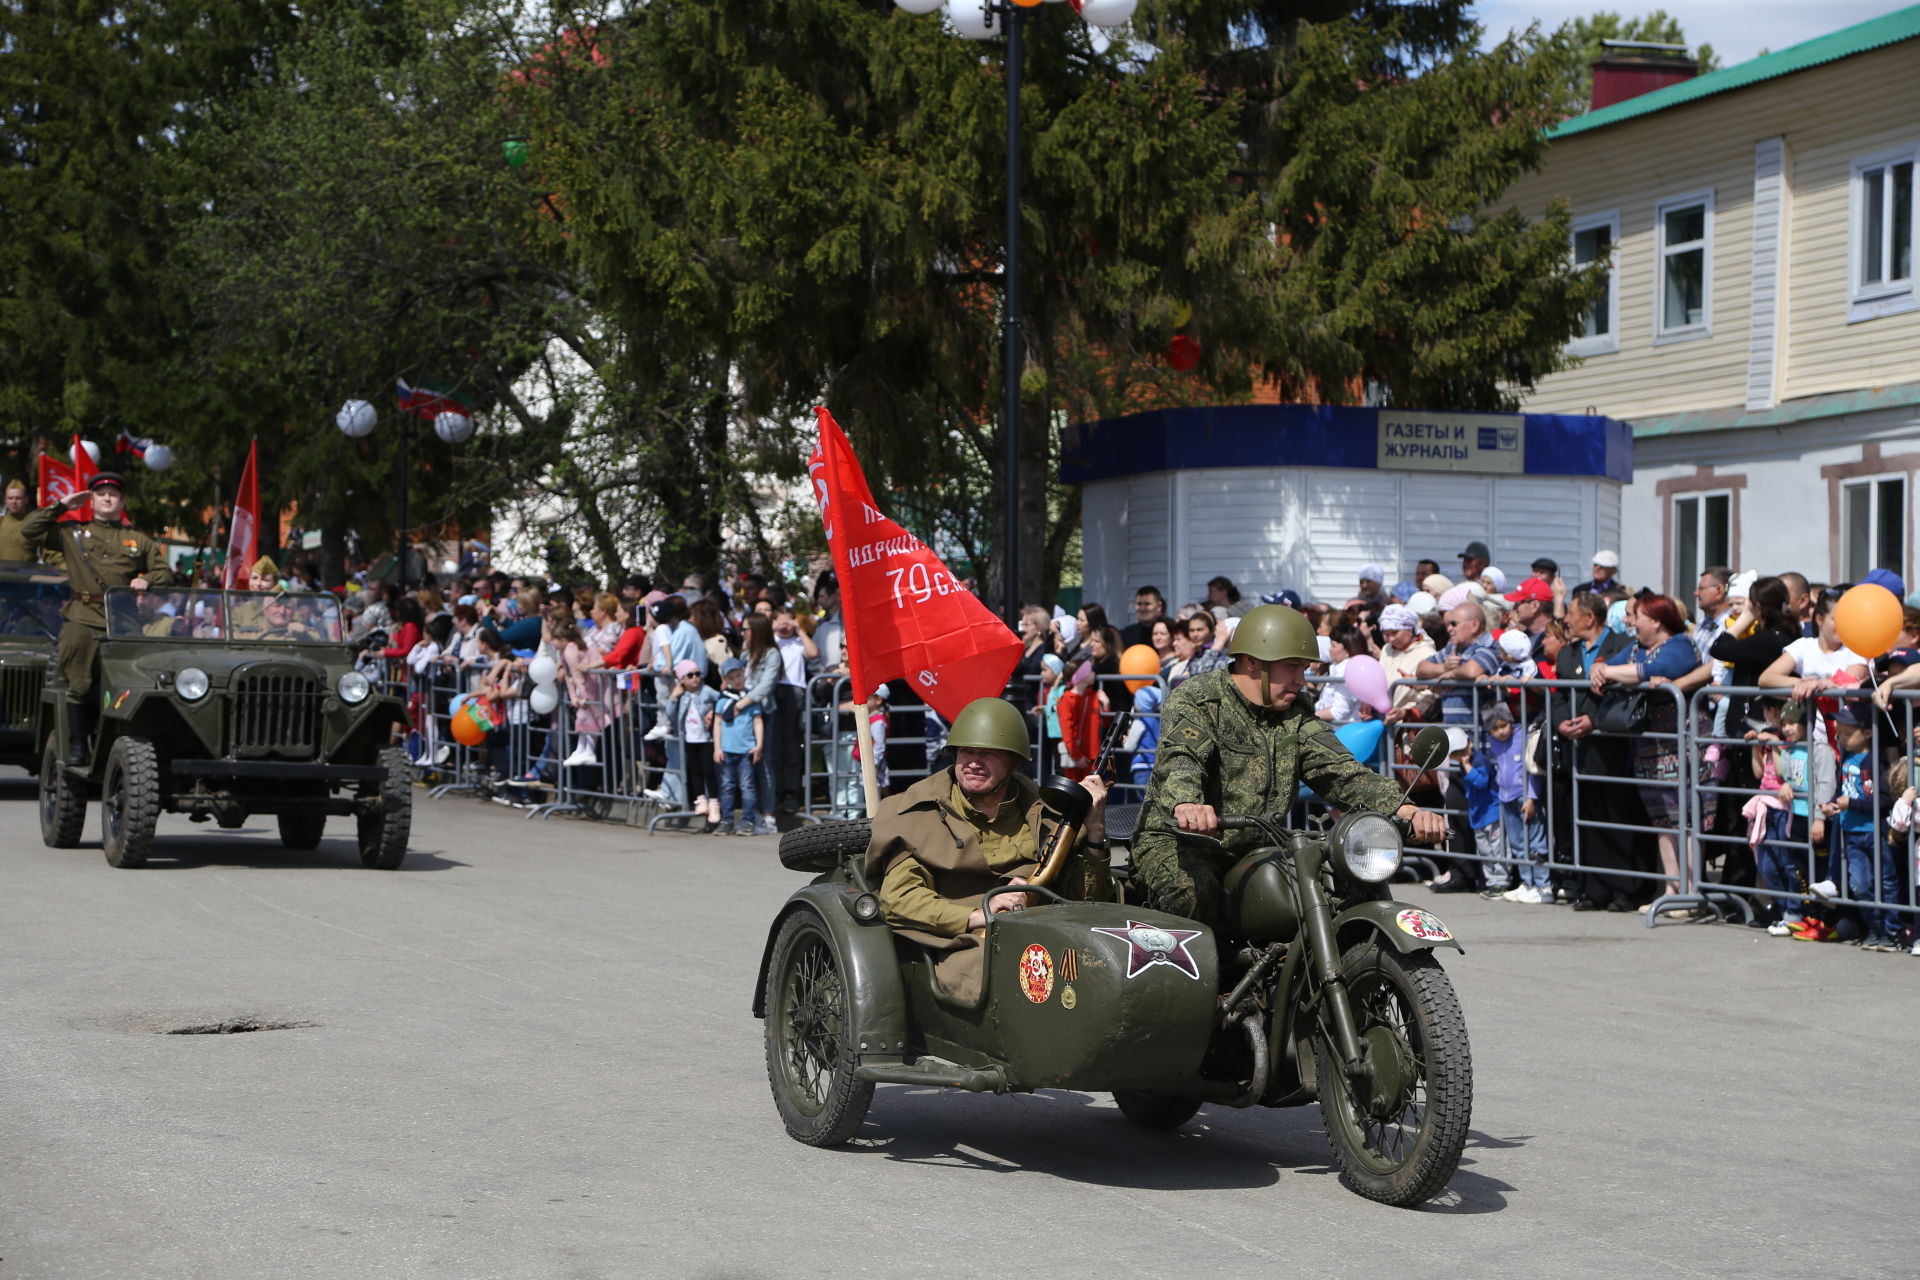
(1218, 748)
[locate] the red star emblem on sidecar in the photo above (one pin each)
(1149, 945)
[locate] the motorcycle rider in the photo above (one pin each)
(1241, 740)
(946, 840)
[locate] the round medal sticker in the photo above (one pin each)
(1036, 973)
(1422, 925)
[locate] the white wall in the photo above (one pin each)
(1311, 528)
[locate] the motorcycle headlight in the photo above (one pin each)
(192, 684)
(1369, 846)
(354, 687)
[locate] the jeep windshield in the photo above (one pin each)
(269, 617)
(30, 607)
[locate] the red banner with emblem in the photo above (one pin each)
(906, 616)
(243, 536)
(60, 480)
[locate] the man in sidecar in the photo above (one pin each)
(1240, 740)
(948, 839)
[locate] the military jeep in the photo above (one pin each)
(221, 705)
(30, 600)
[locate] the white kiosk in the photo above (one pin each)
(1301, 496)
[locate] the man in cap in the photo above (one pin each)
(1606, 572)
(99, 553)
(941, 844)
(13, 542)
(1474, 561)
(1241, 740)
(1545, 568)
(1532, 603)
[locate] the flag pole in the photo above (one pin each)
(862, 732)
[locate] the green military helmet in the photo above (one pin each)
(992, 724)
(1273, 632)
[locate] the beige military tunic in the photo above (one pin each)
(97, 556)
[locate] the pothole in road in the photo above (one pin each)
(232, 1027)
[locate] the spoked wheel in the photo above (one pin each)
(129, 802)
(1397, 1136)
(1156, 1110)
(63, 800)
(809, 1040)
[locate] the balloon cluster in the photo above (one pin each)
(545, 697)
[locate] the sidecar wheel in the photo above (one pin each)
(1156, 1110)
(809, 1042)
(1401, 1144)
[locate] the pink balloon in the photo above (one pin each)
(1366, 680)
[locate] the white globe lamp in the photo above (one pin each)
(355, 419)
(1107, 13)
(970, 19)
(158, 457)
(454, 428)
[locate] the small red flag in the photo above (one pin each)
(60, 480)
(243, 537)
(906, 617)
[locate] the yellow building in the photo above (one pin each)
(1761, 330)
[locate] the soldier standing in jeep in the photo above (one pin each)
(105, 551)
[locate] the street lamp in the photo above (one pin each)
(356, 421)
(976, 20)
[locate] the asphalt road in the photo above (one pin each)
(529, 1053)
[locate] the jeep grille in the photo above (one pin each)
(275, 714)
(20, 689)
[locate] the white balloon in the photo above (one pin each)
(1107, 13)
(355, 419)
(542, 671)
(454, 428)
(917, 6)
(93, 452)
(544, 699)
(158, 457)
(970, 19)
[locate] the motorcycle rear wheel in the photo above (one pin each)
(1403, 1147)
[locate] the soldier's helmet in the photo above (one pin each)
(992, 724)
(1273, 632)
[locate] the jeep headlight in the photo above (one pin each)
(353, 687)
(1369, 846)
(192, 684)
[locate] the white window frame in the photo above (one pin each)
(1662, 334)
(1888, 298)
(1871, 484)
(1682, 583)
(1608, 342)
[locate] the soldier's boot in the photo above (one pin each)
(80, 718)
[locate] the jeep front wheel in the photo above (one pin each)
(63, 800)
(129, 802)
(384, 832)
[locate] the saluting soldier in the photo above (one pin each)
(102, 552)
(13, 539)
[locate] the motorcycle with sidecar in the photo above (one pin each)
(1317, 986)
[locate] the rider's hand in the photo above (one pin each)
(1001, 902)
(1428, 828)
(1199, 818)
(1096, 823)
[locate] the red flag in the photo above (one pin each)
(905, 615)
(60, 480)
(243, 537)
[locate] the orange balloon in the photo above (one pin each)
(1139, 660)
(1868, 619)
(468, 728)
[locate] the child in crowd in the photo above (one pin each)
(1143, 736)
(1900, 822)
(1461, 811)
(1079, 711)
(877, 722)
(690, 715)
(1801, 780)
(1516, 655)
(1046, 708)
(742, 741)
(1856, 812)
(1479, 783)
(1523, 830)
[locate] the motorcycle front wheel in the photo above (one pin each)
(1398, 1139)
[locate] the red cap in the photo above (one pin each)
(1531, 589)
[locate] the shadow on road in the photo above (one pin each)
(1062, 1134)
(232, 849)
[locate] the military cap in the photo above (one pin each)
(265, 565)
(21, 485)
(104, 478)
